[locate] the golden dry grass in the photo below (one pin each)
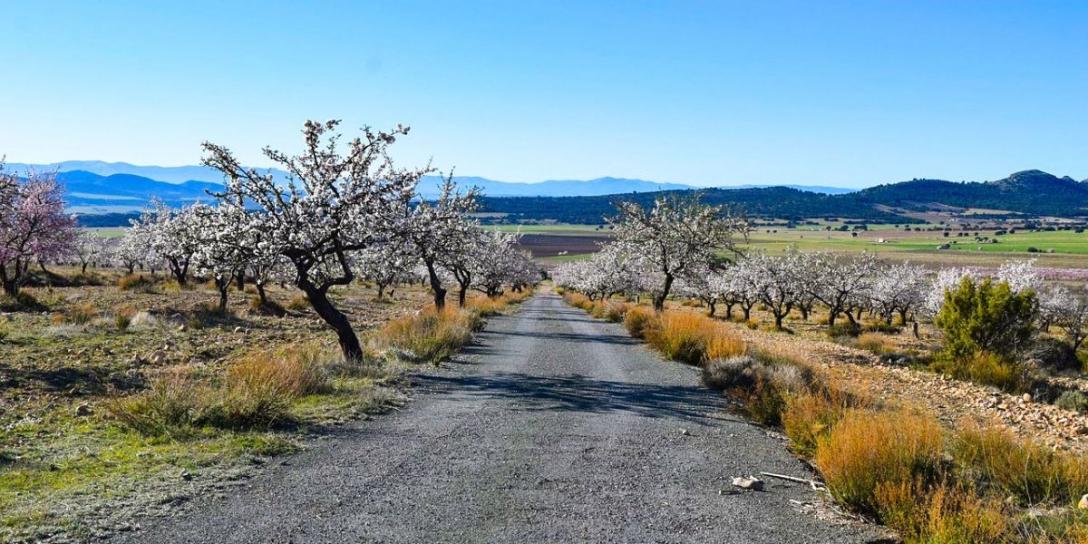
(868, 449)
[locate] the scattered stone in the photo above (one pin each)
(1083, 504)
(750, 483)
(685, 432)
(186, 475)
(237, 330)
(181, 328)
(84, 410)
(1026, 397)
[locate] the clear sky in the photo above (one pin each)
(709, 93)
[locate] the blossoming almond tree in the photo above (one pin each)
(436, 229)
(335, 202)
(33, 226)
(675, 236)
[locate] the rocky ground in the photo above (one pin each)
(951, 400)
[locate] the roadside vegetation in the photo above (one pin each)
(881, 457)
(177, 356)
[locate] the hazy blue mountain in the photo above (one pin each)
(429, 186)
(90, 193)
(168, 174)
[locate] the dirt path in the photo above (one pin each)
(554, 427)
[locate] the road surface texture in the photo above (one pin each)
(553, 427)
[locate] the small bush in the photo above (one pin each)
(615, 311)
(638, 319)
(1029, 472)
(1073, 400)
(984, 368)
(578, 300)
(268, 307)
(134, 282)
(724, 344)
(76, 314)
(843, 330)
(729, 372)
(298, 303)
(874, 342)
(882, 326)
(430, 336)
(174, 403)
(809, 417)
(752, 324)
(259, 389)
(122, 319)
(943, 513)
(868, 449)
(680, 336)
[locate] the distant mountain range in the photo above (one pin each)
(95, 187)
(122, 178)
(1031, 193)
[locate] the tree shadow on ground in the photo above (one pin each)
(577, 393)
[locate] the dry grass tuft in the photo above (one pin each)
(691, 338)
(76, 314)
(874, 342)
(638, 319)
(1030, 472)
(429, 336)
(869, 449)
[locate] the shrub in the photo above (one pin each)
(1073, 400)
(578, 300)
(985, 316)
(637, 319)
(809, 416)
(298, 303)
(258, 389)
(173, 404)
(984, 368)
(76, 314)
(485, 306)
(730, 372)
(724, 344)
(615, 311)
(679, 336)
(268, 307)
(430, 336)
(760, 384)
(1025, 470)
(869, 449)
(134, 282)
(874, 342)
(942, 513)
(882, 326)
(1054, 354)
(840, 330)
(122, 319)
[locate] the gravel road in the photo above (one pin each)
(553, 427)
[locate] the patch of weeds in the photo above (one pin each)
(1073, 400)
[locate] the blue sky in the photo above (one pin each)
(708, 93)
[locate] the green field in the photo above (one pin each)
(1058, 248)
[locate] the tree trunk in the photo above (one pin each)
(241, 280)
(261, 295)
(83, 269)
(349, 342)
(461, 293)
(659, 299)
(778, 320)
(747, 313)
(729, 310)
(381, 290)
(710, 307)
(436, 287)
(831, 316)
(223, 285)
